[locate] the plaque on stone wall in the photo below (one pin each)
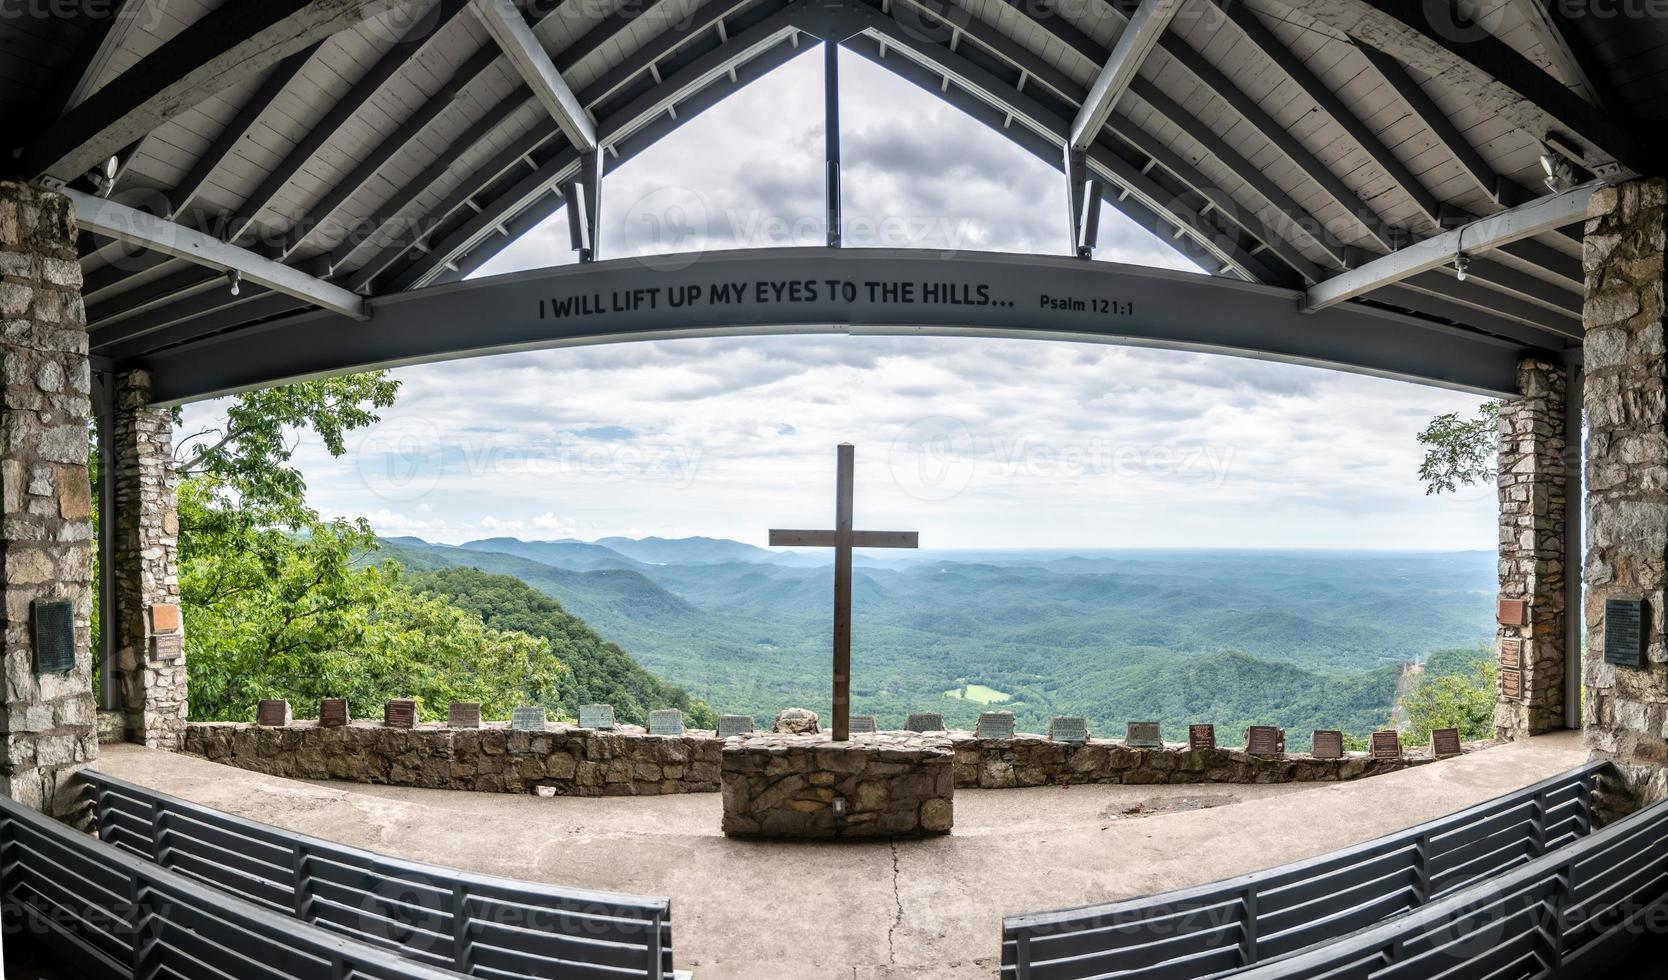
(53, 621)
(1386, 745)
(734, 725)
(1265, 740)
(1201, 738)
(863, 725)
(272, 713)
(1143, 735)
(1512, 612)
(1445, 743)
(1073, 731)
(1624, 632)
(1511, 653)
(1327, 745)
(530, 718)
(995, 725)
(464, 714)
(400, 713)
(333, 712)
(598, 716)
(666, 721)
(1511, 683)
(165, 618)
(924, 721)
(167, 647)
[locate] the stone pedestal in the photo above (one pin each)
(895, 784)
(1626, 708)
(151, 675)
(1532, 487)
(47, 714)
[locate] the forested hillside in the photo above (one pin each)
(1302, 640)
(598, 672)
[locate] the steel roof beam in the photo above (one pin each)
(530, 60)
(1482, 235)
(1140, 35)
(135, 227)
(225, 47)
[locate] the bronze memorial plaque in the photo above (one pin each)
(1512, 612)
(1328, 744)
(53, 625)
(1201, 738)
(400, 713)
(272, 713)
(1386, 745)
(1445, 743)
(464, 714)
(333, 712)
(167, 647)
(165, 618)
(1264, 740)
(1511, 652)
(1511, 683)
(1624, 632)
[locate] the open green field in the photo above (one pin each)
(978, 694)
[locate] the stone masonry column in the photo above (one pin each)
(46, 707)
(1531, 636)
(149, 638)
(1625, 708)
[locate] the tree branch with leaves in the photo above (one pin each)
(1461, 450)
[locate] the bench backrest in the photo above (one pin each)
(103, 913)
(475, 924)
(1574, 912)
(1247, 920)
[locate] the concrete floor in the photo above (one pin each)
(917, 909)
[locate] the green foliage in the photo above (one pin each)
(279, 603)
(598, 672)
(1463, 700)
(1460, 451)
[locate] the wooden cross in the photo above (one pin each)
(842, 539)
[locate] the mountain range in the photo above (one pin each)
(1304, 639)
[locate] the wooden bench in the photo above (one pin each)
(1243, 921)
(90, 909)
(475, 924)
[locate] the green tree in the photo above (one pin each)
(1460, 451)
(1463, 700)
(281, 603)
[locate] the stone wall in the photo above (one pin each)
(894, 784)
(48, 717)
(1626, 708)
(1033, 760)
(564, 759)
(1532, 487)
(147, 576)
(574, 761)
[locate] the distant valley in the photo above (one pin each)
(1301, 639)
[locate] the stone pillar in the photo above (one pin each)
(149, 631)
(1625, 708)
(1531, 647)
(47, 714)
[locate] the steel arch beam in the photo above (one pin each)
(860, 291)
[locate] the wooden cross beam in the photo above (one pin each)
(842, 539)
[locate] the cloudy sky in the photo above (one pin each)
(975, 443)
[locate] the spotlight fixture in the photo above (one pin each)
(1560, 174)
(235, 279)
(104, 177)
